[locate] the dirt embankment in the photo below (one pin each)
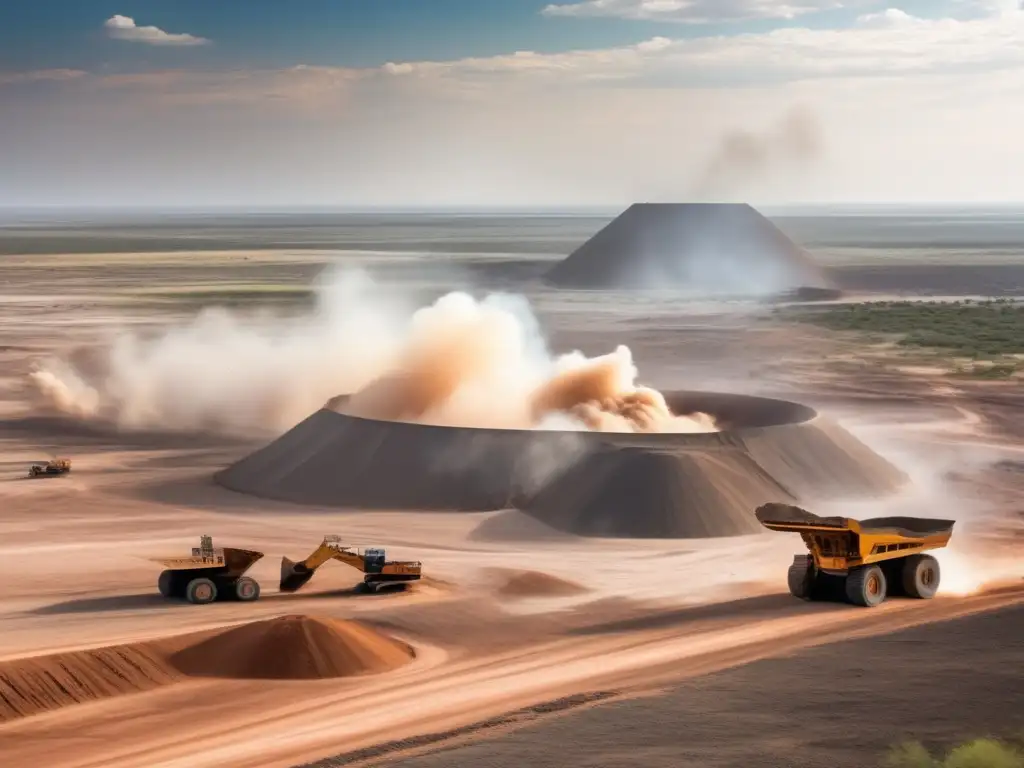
(284, 648)
(33, 685)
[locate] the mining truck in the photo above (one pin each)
(378, 571)
(52, 467)
(209, 574)
(863, 561)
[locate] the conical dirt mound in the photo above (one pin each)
(640, 493)
(709, 248)
(699, 491)
(293, 648)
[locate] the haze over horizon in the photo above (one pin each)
(523, 103)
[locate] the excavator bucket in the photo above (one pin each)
(294, 575)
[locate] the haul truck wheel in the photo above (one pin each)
(247, 589)
(866, 586)
(921, 576)
(201, 591)
(801, 577)
(166, 583)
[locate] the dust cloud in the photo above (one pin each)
(979, 556)
(601, 394)
(743, 157)
(457, 362)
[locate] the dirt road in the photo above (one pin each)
(233, 724)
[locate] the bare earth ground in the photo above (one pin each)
(72, 575)
(834, 705)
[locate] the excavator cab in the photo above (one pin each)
(374, 560)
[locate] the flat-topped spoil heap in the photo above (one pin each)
(637, 485)
(710, 249)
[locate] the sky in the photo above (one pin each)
(373, 103)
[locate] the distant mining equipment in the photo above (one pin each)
(622, 485)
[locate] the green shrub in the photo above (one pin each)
(985, 330)
(980, 753)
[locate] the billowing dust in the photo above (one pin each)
(457, 362)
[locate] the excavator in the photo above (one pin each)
(378, 571)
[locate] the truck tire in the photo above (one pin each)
(247, 589)
(866, 586)
(201, 591)
(921, 576)
(801, 576)
(165, 583)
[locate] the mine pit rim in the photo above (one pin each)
(738, 413)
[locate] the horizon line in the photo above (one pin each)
(470, 208)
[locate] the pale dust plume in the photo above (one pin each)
(970, 566)
(742, 156)
(472, 364)
(602, 395)
(457, 362)
(61, 386)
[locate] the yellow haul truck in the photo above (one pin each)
(209, 574)
(862, 560)
(377, 570)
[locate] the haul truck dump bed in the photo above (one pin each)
(865, 560)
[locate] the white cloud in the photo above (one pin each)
(693, 11)
(124, 28)
(890, 17)
(891, 43)
(992, 7)
(886, 44)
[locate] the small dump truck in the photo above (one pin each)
(863, 561)
(52, 467)
(209, 574)
(378, 571)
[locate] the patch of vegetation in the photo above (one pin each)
(218, 290)
(989, 332)
(980, 753)
(225, 294)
